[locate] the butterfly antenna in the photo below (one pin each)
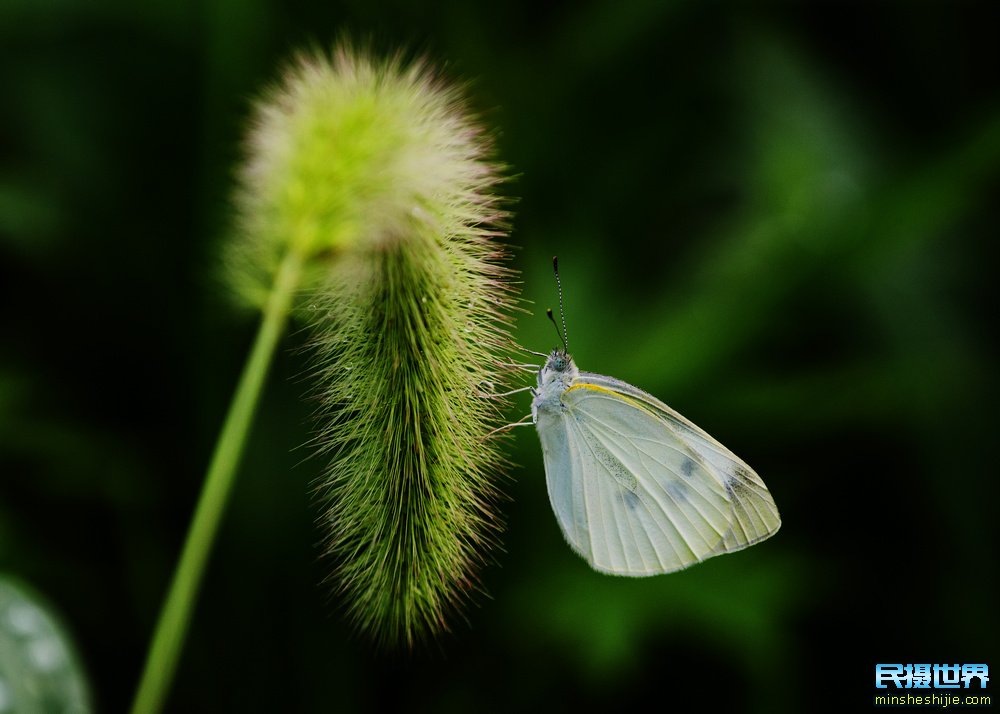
(562, 311)
(553, 319)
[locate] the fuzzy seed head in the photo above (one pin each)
(377, 175)
(347, 152)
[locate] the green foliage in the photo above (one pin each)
(39, 668)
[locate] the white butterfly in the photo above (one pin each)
(637, 488)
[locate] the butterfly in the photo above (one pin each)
(638, 489)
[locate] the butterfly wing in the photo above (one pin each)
(564, 469)
(637, 490)
(629, 497)
(754, 514)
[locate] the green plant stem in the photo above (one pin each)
(164, 651)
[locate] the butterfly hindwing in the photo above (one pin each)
(562, 469)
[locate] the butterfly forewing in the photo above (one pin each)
(626, 533)
(755, 517)
(630, 496)
(754, 514)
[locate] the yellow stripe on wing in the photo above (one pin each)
(604, 390)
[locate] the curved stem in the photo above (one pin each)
(175, 615)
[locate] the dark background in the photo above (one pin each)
(780, 218)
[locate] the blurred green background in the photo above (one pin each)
(780, 218)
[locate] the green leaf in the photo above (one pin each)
(39, 668)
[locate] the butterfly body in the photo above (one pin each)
(638, 489)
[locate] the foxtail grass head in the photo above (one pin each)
(376, 180)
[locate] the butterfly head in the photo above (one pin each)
(558, 367)
(554, 378)
(558, 361)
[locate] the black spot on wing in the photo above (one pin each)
(736, 484)
(687, 467)
(678, 491)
